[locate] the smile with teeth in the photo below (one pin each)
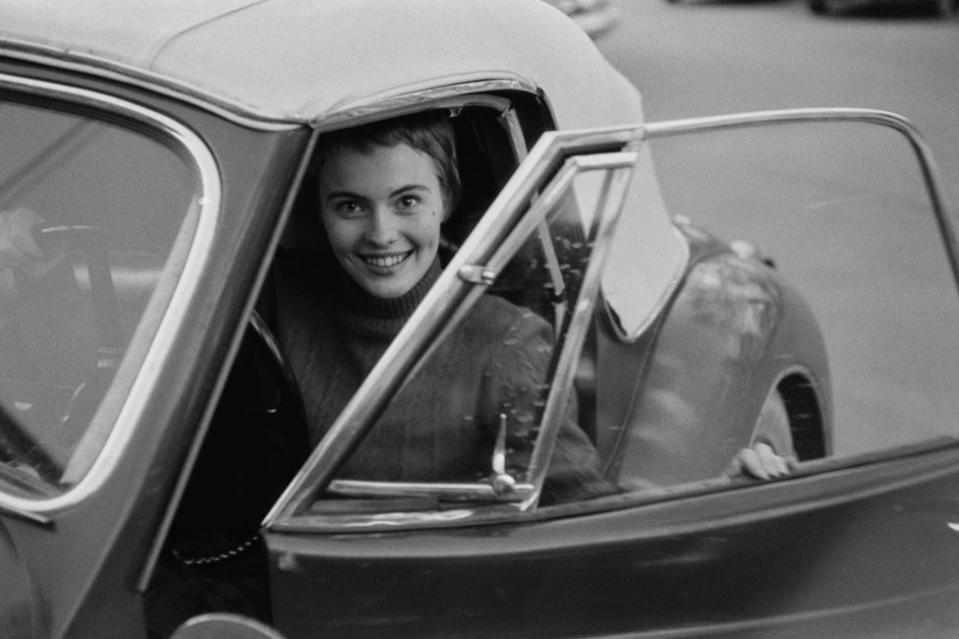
(385, 261)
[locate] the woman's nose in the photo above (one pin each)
(382, 226)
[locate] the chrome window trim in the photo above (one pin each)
(620, 166)
(445, 300)
(208, 203)
(475, 490)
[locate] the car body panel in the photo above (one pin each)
(105, 536)
(717, 344)
(773, 563)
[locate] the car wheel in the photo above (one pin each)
(818, 7)
(946, 9)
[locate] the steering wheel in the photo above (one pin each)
(31, 386)
(19, 446)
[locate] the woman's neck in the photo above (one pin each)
(357, 300)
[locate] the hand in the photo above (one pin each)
(18, 245)
(761, 462)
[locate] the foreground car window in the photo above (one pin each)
(89, 212)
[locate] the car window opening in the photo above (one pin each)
(96, 237)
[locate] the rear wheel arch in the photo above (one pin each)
(807, 422)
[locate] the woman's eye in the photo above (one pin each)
(347, 207)
(407, 202)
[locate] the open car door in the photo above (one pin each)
(857, 541)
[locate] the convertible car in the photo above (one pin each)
(157, 477)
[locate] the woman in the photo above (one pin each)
(385, 190)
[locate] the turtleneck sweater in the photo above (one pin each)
(442, 423)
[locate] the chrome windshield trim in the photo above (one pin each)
(457, 490)
(439, 305)
(208, 207)
(927, 163)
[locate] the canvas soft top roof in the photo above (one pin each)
(300, 61)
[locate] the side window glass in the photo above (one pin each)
(90, 211)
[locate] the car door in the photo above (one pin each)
(856, 544)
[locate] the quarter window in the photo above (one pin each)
(91, 210)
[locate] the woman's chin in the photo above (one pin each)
(387, 287)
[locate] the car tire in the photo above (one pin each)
(946, 9)
(819, 7)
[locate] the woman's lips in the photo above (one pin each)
(385, 262)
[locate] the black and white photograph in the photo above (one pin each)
(481, 319)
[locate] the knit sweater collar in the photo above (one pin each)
(387, 314)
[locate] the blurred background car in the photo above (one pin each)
(596, 17)
(944, 8)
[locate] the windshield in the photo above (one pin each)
(89, 212)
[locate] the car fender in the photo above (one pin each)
(733, 331)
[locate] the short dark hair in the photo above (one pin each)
(429, 132)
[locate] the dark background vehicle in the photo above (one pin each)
(945, 9)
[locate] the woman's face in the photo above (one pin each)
(382, 213)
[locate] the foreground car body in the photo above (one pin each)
(172, 162)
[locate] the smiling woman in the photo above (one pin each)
(385, 190)
(383, 196)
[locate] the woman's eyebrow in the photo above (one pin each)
(337, 194)
(409, 187)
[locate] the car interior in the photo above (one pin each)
(487, 160)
